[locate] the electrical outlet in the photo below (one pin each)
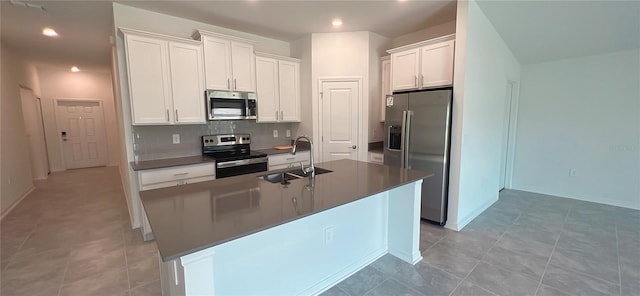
(275, 133)
(288, 133)
(572, 173)
(329, 234)
(176, 138)
(9, 180)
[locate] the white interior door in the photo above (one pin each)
(34, 130)
(81, 127)
(339, 120)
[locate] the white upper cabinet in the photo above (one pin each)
(423, 65)
(278, 88)
(437, 64)
(166, 79)
(405, 69)
(229, 62)
(385, 84)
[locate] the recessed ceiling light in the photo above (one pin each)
(49, 32)
(75, 69)
(336, 23)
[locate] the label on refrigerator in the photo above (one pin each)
(389, 100)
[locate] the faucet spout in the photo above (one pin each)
(311, 168)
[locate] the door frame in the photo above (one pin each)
(509, 133)
(38, 154)
(362, 117)
(59, 130)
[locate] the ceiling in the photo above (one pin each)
(539, 31)
(85, 26)
(536, 31)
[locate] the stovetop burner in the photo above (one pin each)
(229, 147)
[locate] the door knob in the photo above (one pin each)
(354, 147)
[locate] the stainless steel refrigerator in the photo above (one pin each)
(418, 128)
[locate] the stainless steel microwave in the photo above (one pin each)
(230, 105)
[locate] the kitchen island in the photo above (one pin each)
(245, 235)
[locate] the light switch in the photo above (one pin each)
(176, 138)
(288, 133)
(275, 133)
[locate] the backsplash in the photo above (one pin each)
(155, 142)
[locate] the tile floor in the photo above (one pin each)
(524, 244)
(72, 236)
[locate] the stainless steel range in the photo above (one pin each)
(233, 155)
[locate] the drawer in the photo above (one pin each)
(376, 157)
(286, 158)
(176, 174)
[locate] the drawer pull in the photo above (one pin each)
(181, 174)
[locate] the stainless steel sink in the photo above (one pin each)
(285, 177)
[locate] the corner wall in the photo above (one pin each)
(483, 66)
(581, 114)
(15, 168)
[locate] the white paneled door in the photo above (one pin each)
(340, 117)
(81, 130)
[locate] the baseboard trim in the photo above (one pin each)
(15, 203)
(461, 224)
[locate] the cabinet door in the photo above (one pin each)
(243, 67)
(437, 64)
(385, 86)
(217, 63)
(404, 69)
(267, 89)
(187, 83)
(148, 79)
(289, 85)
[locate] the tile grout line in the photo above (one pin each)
(481, 260)
(618, 255)
(126, 260)
(64, 274)
(566, 216)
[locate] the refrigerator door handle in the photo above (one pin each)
(406, 139)
(403, 136)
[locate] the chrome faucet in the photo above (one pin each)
(311, 169)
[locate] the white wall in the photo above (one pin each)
(377, 48)
(444, 29)
(60, 83)
(483, 66)
(15, 169)
(581, 114)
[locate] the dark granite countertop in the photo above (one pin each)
(193, 217)
(169, 162)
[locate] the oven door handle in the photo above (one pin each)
(241, 162)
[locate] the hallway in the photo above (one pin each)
(72, 236)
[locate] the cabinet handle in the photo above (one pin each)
(177, 115)
(235, 83)
(415, 82)
(180, 174)
(167, 115)
(277, 115)
(421, 80)
(281, 115)
(228, 84)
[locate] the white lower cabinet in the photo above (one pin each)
(287, 160)
(172, 176)
(172, 277)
